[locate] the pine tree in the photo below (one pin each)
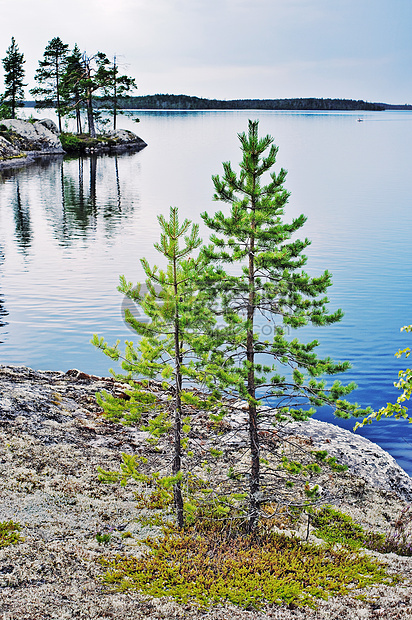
(88, 77)
(49, 75)
(168, 342)
(282, 373)
(83, 78)
(71, 87)
(13, 79)
(115, 87)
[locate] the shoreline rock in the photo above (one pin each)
(363, 457)
(22, 142)
(37, 137)
(52, 438)
(29, 393)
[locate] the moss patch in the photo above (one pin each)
(249, 571)
(80, 143)
(337, 528)
(9, 533)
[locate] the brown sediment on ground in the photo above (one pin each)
(52, 439)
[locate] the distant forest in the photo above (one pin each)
(185, 102)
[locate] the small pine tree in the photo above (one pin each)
(49, 75)
(166, 350)
(13, 79)
(284, 373)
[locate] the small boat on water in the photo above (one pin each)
(360, 120)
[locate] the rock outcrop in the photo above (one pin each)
(53, 438)
(34, 137)
(364, 458)
(24, 141)
(125, 138)
(7, 150)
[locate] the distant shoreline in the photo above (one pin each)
(186, 102)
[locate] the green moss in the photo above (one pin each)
(336, 527)
(79, 143)
(249, 571)
(9, 533)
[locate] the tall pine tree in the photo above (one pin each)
(71, 87)
(265, 277)
(49, 76)
(13, 78)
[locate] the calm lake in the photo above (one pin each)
(69, 228)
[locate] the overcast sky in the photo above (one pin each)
(231, 49)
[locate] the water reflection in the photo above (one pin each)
(3, 311)
(23, 229)
(93, 195)
(74, 197)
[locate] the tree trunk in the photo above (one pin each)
(177, 461)
(90, 115)
(59, 116)
(254, 483)
(114, 93)
(78, 120)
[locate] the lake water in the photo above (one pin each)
(69, 228)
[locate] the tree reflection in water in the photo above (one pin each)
(3, 311)
(92, 196)
(23, 230)
(76, 196)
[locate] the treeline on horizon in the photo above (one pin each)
(186, 102)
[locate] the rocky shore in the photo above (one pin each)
(22, 142)
(53, 438)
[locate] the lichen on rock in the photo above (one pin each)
(33, 136)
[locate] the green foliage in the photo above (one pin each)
(84, 78)
(71, 87)
(49, 75)
(103, 538)
(203, 505)
(9, 533)
(265, 277)
(115, 87)
(71, 142)
(135, 405)
(185, 102)
(322, 456)
(336, 527)
(81, 143)
(168, 344)
(13, 78)
(5, 112)
(404, 383)
(208, 568)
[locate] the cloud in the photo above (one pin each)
(231, 48)
(334, 78)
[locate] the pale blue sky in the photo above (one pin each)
(357, 49)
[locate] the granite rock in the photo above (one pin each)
(32, 137)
